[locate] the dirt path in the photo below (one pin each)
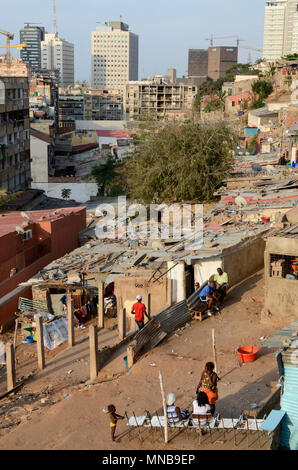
(78, 422)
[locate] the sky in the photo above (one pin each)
(166, 28)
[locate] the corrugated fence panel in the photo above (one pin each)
(150, 336)
(289, 403)
(174, 317)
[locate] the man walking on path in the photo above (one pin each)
(139, 310)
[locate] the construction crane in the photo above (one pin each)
(9, 37)
(8, 56)
(211, 39)
(251, 48)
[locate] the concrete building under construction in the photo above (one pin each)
(14, 134)
(156, 97)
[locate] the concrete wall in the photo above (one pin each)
(39, 157)
(177, 274)
(80, 192)
(244, 259)
(127, 288)
(281, 295)
(204, 269)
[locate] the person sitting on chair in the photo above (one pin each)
(174, 413)
(209, 295)
(222, 283)
(201, 411)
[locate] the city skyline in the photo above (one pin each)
(166, 30)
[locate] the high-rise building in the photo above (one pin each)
(280, 29)
(32, 36)
(197, 64)
(58, 54)
(274, 28)
(115, 56)
(14, 134)
(291, 28)
(220, 59)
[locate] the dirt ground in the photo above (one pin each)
(59, 412)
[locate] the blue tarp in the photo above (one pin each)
(250, 131)
(273, 420)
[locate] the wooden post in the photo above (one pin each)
(169, 292)
(100, 319)
(214, 351)
(15, 333)
(10, 367)
(148, 305)
(164, 406)
(93, 347)
(122, 324)
(70, 310)
(40, 346)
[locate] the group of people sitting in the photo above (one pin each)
(214, 292)
(203, 407)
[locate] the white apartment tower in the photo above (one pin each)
(58, 54)
(280, 29)
(115, 56)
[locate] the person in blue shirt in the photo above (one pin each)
(209, 294)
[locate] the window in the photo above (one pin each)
(27, 235)
(284, 266)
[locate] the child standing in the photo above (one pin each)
(114, 417)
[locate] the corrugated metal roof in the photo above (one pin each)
(288, 232)
(276, 340)
(289, 404)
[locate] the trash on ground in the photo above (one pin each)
(152, 364)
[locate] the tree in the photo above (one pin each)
(104, 175)
(179, 162)
(262, 89)
(65, 193)
(290, 57)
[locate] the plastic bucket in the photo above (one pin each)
(265, 219)
(247, 353)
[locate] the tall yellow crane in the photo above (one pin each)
(8, 47)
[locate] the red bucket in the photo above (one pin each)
(265, 220)
(247, 353)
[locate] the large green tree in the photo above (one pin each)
(179, 162)
(104, 175)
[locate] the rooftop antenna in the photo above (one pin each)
(54, 18)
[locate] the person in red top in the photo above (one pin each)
(139, 310)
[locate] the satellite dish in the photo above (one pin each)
(240, 201)
(19, 229)
(256, 167)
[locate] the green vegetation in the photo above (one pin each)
(178, 162)
(65, 193)
(261, 89)
(291, 57)
(104, 175)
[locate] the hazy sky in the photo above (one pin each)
(166, 28)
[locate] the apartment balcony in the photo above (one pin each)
(11, 150)
(3, 130)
